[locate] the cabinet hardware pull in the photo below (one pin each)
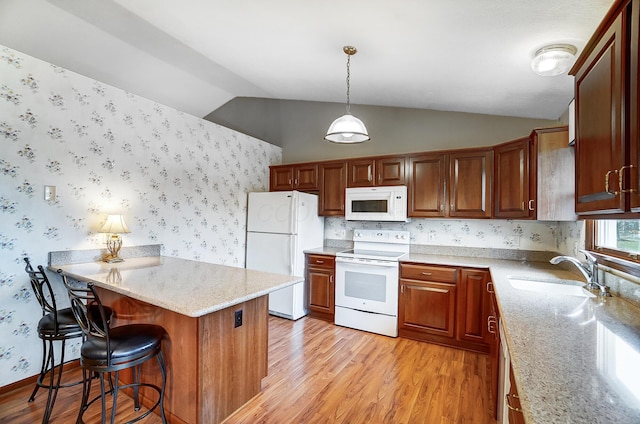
(621, 180)
(513, 408)
(319, 261)
(490, 287)
(379, 178)
(402, 288)
(331, 279)
(426, 273)
(289, 181)
(531, 204)
(606, 182)
(295, 181)
(491, 320)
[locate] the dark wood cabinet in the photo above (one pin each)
(303, 177)
(391, 171)
(451, 184)
(427, 186)
(427, 302)
(473, 305)
(361, 173)
(470, 183)
(605, 100)
(493, 339)
(370, 172)
(513, 197)
(333, 181)
(320, 278)
(444, 305)
(534, 177)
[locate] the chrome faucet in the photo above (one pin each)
(590, 271)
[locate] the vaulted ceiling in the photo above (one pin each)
(195, 55)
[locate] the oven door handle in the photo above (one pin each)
(382, 264)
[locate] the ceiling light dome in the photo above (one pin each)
(552, 60)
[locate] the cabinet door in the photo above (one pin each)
(281, 178)
(321, 293)
(333, 181)
(427, 186)
(470, 176)
(600, 106)
(427, 307)
(390, 171)
(494, 350)
(634, 110)
(473, 305)
(511, 195)
(305, 177)
(361, 173)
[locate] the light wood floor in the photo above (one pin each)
(321, 373)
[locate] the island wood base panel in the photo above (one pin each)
(213, 368)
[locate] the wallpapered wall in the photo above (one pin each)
(178, 180)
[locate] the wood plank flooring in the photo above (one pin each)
(321, 373)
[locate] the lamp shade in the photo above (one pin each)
(347, 129)
(115, 225)
(553, 60)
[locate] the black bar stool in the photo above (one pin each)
(110, 350)
(56, 325)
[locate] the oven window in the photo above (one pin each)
(361, 285)
(369, 205)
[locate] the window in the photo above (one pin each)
(616, 242)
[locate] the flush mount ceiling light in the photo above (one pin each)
(347, 129)
(553, 60)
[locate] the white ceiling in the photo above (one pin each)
(195, 55)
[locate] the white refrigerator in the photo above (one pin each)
(281, 225)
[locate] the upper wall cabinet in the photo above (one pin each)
(454, 184)
(333, 181)
(470, 183)
(303, 177)
(606, 90)
(370, 172)
(534, 177)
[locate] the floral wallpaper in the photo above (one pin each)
(179, 181)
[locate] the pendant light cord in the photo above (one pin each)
(348, 83)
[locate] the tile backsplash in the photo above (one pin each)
(561, 237)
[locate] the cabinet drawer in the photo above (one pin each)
(429, 273)
(321, 261)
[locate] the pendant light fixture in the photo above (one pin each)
(347, 129)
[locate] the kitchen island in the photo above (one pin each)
(214, 366)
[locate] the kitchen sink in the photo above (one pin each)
(561, 287)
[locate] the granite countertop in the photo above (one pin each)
(187, 287)
(575, 359)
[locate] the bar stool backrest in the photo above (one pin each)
(42, 290)
(88, 309)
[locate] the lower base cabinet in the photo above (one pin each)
(320, 281)
(513, 402)
(444, 305)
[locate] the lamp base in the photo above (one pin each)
(113, 260)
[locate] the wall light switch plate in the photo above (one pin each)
(50, 193)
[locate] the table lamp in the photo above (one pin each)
(114, 227)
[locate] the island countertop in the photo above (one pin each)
(187, 287)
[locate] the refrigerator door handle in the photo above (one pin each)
(292, 245)
(293, 204)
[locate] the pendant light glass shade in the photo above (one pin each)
(347, 129)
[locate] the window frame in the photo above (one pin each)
(613, 258)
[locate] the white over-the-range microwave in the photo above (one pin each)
(385, 203)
